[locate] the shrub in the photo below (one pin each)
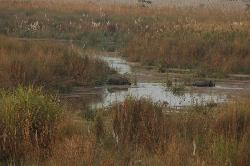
(28, 124)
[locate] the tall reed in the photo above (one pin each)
(52, 65)
(28, 125)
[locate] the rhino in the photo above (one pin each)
(118, 80)
(204, 84)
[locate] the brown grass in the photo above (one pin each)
(205, 136)
(28, 125)
(206, 51)
(137, 131)
(139, 123)
(210, 40)
(47, 64)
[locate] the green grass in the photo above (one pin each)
(28, 125)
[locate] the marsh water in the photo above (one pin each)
(158, 92)
(104, 96)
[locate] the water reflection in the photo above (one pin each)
(119, 64)
(159, 93)
(156, 91)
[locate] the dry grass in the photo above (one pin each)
(211, 40)
(209, 51)
(139, 123)
(47, 64)
(28, 125)
(136, 131)
(211, 137)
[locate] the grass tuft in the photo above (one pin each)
(28, 124)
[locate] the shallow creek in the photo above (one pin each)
(157, 91)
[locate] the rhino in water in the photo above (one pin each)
(204, 84)
(118, 80)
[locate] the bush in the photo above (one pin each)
(28, 124)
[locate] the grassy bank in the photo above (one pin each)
(141, 133)
(207, 50)
(49, 64)
(138, 131)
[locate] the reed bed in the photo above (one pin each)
(207, 39)
(36, 129)
(52, 65)
(208, 136)
(139, 131)
(134, 131)
(215, 51)
(28, 125)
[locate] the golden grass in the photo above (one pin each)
(207, 39)
(55, 66)
(136, 131)
(210, 40)
(224, 51)
(205, 136)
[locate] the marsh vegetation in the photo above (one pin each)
(52, 54)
